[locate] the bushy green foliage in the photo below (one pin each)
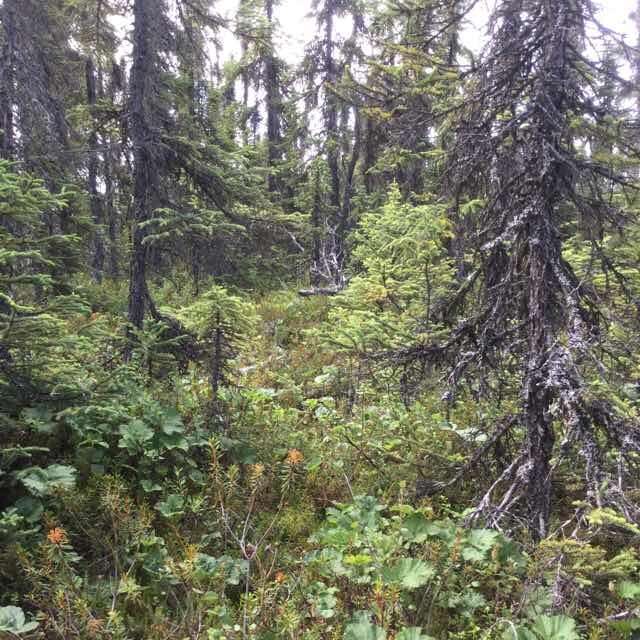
(40, 314)
(348, 283)
(13, 621)
(151, 520)
(133, 434)
(219, 309)
(403, 276)
(417, 570)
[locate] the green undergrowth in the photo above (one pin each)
(295, 504)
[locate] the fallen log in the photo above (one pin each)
(318, 291)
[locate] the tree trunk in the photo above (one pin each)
(216, 360)
(637, 75)
(537, 395)
(345, 214)
(7, 81)
(273, 103)
(316, 223)
(140, 137)
(333, 145)
(95, 200)
(111, 211)
(540, 388)
(331, 109)
(370, 155)
(111, 156)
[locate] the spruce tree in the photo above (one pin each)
(525, 158)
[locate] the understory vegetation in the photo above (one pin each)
(345, 349)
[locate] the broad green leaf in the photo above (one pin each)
(35, 479)
(323, 599)
(325, 604)
(231, 568)
(149, 487)
(135, 435)
(42, 482)
(172, 506)
(239, 451)
(29, 508)
(172, 441)
(478, 544)
(363, 631)
(417, 529)
(628, 590)
(171, 421)
(467, 602)
(555, 628)
(60, 475)
(206, 564)
(358, 560)
(409, 573)
(13, 621)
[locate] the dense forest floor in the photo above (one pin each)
(301, 504)
(336, 345)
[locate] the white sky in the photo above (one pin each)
(297, 27)
(614, 14)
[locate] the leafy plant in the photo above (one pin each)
(434, 567)
(42, 482)
(14, 622)
(546, 628)
(363, 631)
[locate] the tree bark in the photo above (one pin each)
(7, 81)
(112, 153)
(540, 388)
(216, 360)
(316, 224)
(273, 103)
(537, 394)
(140, 134)
(95, 199)
(331, 108)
